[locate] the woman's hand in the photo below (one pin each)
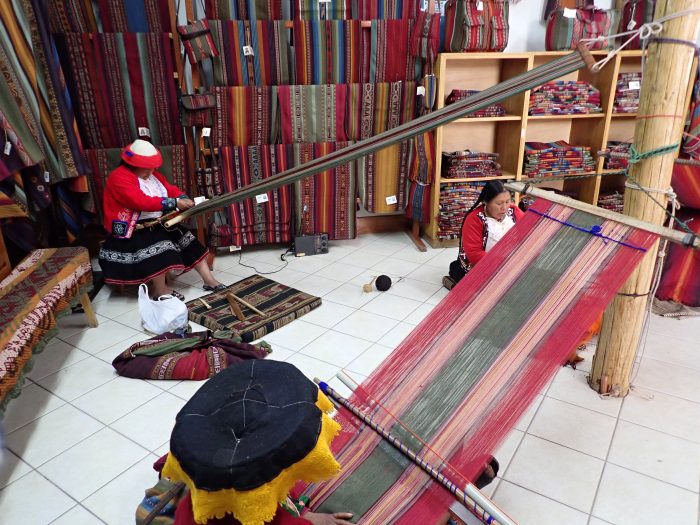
(184, 204)
(337, 518)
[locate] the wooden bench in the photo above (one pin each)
(46, 284)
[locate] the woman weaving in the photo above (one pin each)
(486, 222)
(135, 193)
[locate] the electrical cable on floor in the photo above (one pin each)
(282, 257)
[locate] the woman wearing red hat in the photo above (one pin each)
(135, 193)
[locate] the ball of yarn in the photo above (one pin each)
(383, 283)
(367, 287)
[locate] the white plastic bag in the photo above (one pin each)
(167, 314)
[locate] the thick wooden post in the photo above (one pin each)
(664, 88)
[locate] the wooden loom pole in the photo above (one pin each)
(666, 75)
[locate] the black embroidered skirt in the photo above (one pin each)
(148, 253)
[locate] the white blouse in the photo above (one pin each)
(153, 188)
(497, 229)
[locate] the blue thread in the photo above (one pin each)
(128, 153)
(594, 230)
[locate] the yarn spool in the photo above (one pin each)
(383, 283)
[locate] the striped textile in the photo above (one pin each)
(268, 217)
(268, 65)
(245, 116)
(109, 16)
(121, 82)
(421, 177)
(197, 40)
(634, 14)
(565, 33)
(476, 25)
(310, 9)
(691, 144)
(388, 51)
(465, 375)
(313, 113)
(680, 280)
(103, 161)
(685, 181)
(325, 202)
(425, 37)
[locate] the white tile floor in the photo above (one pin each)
(82, 440)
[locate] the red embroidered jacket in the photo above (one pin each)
(472, 243)
(124, 201)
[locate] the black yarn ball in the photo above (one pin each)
(383, 283)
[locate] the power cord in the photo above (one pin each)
(282, 257)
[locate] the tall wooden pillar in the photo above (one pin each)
(664, 89)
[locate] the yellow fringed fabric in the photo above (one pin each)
(257, 506)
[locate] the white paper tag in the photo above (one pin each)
(635, 84)
(8, 148)
(206, 132)
(480, 6)
(234, 248)
(569, 13)
(261, 198)
(47, 176)
(200, 199)
(144, 132)
(631, 25)
(324, 1)
(420, 90)
(248, 51)
(391, 199)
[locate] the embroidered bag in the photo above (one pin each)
(476, 25)
(565, 32)
(196, 37)
(208, 175)
(634, 14)
(197, 109)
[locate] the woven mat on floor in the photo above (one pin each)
(280, 303)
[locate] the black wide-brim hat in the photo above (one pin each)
(247, 436)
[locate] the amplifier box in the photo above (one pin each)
(310, 244)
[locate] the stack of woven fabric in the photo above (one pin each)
(616, 155)
(494, 110)
(455, 200)
(465, 164)
(564, 97)
(611, 201)
(548, 159)
(627, 93)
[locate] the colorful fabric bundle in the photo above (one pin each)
(384, 9)
(268, 217)
(455, 200)
(40, 288)
(421, 171)
(325, 202)
(627, 92)
(197, 41)
(634, 14)
(311, 9)
(612, 201)
(281, 304)
(564, 97)
(264, 62)
(194, 357)
(476, 25)
(680, 280)
(548, 159)
(110, 16)
(565, 33)
(123, 87)
(245, 115)
(494, 110)
(328, 52)
(313, 113)
(553, 5)
(616, 155)
(452, 391)
(466, 164)
(103, 161)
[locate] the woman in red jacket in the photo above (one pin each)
(492, 215)
(136, 193)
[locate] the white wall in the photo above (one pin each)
(527, 27)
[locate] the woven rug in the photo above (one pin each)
(281, 303)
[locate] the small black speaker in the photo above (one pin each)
(311, 244)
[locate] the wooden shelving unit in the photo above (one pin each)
(507, 135)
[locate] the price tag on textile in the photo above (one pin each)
(391, 199)
(261, 198)
(324, 1)
(47, 176)
(569, 13)
(480, 6)
(631, 25)
(234, 248)
(635, 84)
(206, 132)
(8, 148)
(248, 51)
(200, 200)
(144, 132)
(420, 90)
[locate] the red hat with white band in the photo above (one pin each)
(142, 154)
